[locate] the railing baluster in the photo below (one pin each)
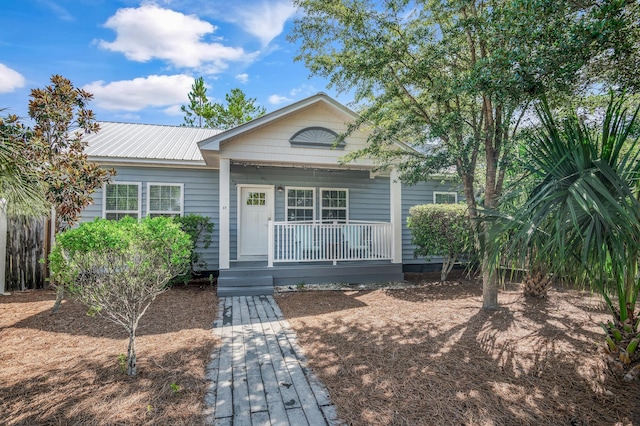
(332, 242)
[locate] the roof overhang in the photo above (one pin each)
(146, 162)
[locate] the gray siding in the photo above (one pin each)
(368, 198)
(421, 193)
(200, 196)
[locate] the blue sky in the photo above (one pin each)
(139, 58)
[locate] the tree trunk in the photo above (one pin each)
(447, 266)
(489, 286)
(59, 297)
(536, 283)
(131, 354)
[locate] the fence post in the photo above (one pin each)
(3, 244)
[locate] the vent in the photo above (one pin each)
(316, 137)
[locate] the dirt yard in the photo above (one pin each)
(64, 369)
(429, 356)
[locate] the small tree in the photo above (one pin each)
(62, 118)
(239, 110)
(117, 268)
(199, 228)
(56, 150)
(441, 230)
(202, 113)
(199, 111)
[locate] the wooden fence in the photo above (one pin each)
(25, 248)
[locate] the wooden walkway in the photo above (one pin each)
(258, 375)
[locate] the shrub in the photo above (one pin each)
(199, 228)
(441, 230)
(117, 268)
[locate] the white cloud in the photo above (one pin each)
(242, 78)
(173, 110)
(304, 90)
(128, 117)
(10, 79)
(265, 20)
(140, 93)
(151, 32)
(277, 99)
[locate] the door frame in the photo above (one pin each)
(270, 189)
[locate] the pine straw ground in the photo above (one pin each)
(430, 356)
(63, 369)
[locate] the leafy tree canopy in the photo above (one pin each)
(118, 268)
(55, 147)
(239, 110)
(454, 78)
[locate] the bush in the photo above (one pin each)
(199, 228)
(441, 230)
(117, 268)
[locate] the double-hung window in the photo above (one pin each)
(334, 204)
(445, 197)
(300, 204)
(165, 199)
(121, 199)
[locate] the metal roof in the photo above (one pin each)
(147, 141)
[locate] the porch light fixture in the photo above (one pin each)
(280, 188)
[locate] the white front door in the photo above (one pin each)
(256, 208)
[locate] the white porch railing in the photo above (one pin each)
(334, 242)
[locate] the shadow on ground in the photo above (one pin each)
(418, 356)
(168, 313)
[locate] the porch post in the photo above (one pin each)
(270, 243)
(223, 229)
(395, 206)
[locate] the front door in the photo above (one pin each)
(256, 208)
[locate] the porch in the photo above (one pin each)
(315, 252)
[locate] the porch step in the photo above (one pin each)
(352, 274)
(245, 285)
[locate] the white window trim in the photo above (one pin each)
(104, 199)
(329, 208)
(149, 184)
(455, 194)
(286, 201)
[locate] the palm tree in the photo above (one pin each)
(20, 190)
(582, 218)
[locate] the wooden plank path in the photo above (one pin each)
(259, 375)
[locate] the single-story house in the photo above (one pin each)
(286, 209)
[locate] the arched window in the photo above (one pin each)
(316, 137)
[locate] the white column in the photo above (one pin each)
(270, 243)
(223, 230)
(395, 206)
(3, 244)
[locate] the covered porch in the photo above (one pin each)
(292, 211)
(266, 246)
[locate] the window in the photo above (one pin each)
(121, 199)
(300, 205)
(165, 199)
(445, 197)
(257, 199)
(333, 204)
